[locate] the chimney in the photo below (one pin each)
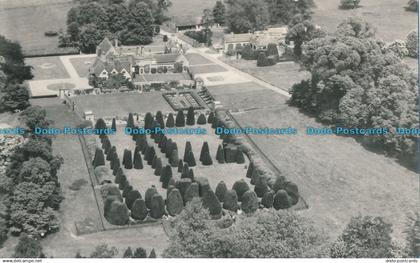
(116, 42)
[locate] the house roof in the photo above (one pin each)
(277, 30)
(161, 77)
(236, 38)
(263, 40)
(166, 58)
(117, 64)
(105, 45)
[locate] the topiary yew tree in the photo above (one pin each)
(150, 192)
(175, 203)
(188, 148)
(118, 214)
(191, 159)
(191, 192)
(210, 118)
(204, 148)
(240, 188)
(190, 116)
(249, 202)
(211, 203)
(127, 159)
(166, 176)
(231, 201)
(180, 166)
(150, 154)
(114, 125)
(250, 170)
(139, 210)
(100, 124)
(131, 197)
(148, 121)
(170, 122)
(180, 119)
(138, 163)
(221, 190)
(157, 209)
(261, 186)
(158, 168)
(220, 155)
(201, 119)
(174, 158)
(240, 157)
(207, 159)
(281, 200)
(99, 158)
(268, 199)
(130, 121)
(159, 119)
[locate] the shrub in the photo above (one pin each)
(249, 202)
(152, 254)
(140, 253)
(127, 189)
(240, 157)
(166, 176)
(191, 159)
(162, 144)
(210, 118)
(170, 146)
(114, 125)
(240, 188)
(170, 123)
(141, 141)
(158, 168)
(175, 203)
(412, 44)
(221, 190)
(211, 203)
(180, 119)
(188, 148)
(231, 201)
(118, 214)
(293, 192)
(230, 152)
(268, 199)
(397, 47)
(183, 185)
(159, 119)
(127, 159)
(51, 33)
(272, 50)
(248, 53)
(150, 154)
(131, 197)
(261, 186)
(191, 192)
(413, 5)
(191, 174)
(279, 183)
(220, 155)
(204, 148)
(165, 39)
(349, 4)
(281, 200)
(99, 158)
(157, 209)
(250, 170)
(150, 192)
(264, 61)
(138, 163)
(190, 116)
(203, 185)
(139, 210)
(174, 158)
(201, 119)
(180, 166)
(100, 124)
(185, 171)
(28, 247)
(76, 185)
(130, 120)
(145, 149)
(128, 253)
(168, 191)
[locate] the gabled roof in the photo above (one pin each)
(263, 40)
(105, 45)
(116, 64)
(236, 38)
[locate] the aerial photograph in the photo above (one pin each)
(212, 129)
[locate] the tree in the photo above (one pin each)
(191, 192)
(398, 48)
(130, 120)
(137, 163)
(175, 203)
(158, 168)
(219, 11)
(190, 116)
(261, 186)
(283, 11)
(170, 123)
(13, 64)
(243, 16)
(90, 37)
(180, 119)
(281, 200)
(165, 176)
(152, 254)
(157, 209)
(207, 20)
(240, 188)
(118, 213)
(220, 155)
(174, 158)
(102, 251)
(180, 166)
(139, 29)
(230, 201)
(128, 253)
(191, 159)
(211, 203)
(221, 190)
(127, 159)
(132, 196)
(139, 209)
(240, 159)
(413, 6)
(140, 253)
(349, 4)
(210, 118)
(15, 97)
(99, 158)
(150, 192)
(364, 237)
(201, 119)
(412, 44)
(188, 148)
(249, 202)
(28, 247)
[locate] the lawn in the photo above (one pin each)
(47, 68)
(27, 21)
(282, 75)
(201, 69)
(120, 104)
(197, 59)
(388, 16)
(336, 175)
(82, 65)
(144, 178)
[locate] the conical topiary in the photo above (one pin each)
(108, 202)
(185, 170)
(207, 159)
(157, 207)
(115, 165)
(169, 189)
(131, 197)
(279, 183)
(188, 148)
(152, 254)
(210, 118)
(128, 253)
(127, 189)
(174, 203)
(220, 156)
(191, 159)
(158, 167)
(180, 119)
(123, 182)
(255, 176)
(191, 192)
(112, 153)
(190, 116)
(127, 159)
(150, 192)
(183, 185)
(166, 176)
(159, 119)
(261, 186)
(118, 214)
(139, 210)
(148, 121)
(170, 122)
(250, 170)
(119, 175)
(138, 162)
(130, 121)
(180, 166)
(168, 149)
(203, 185)
(293, 192)
(154, 162)
(145, 148)
(99, 158)
(201, 119)
(211, 203)
(100, 124)
(249, 202)
(114, 125)
(281, 200)
(268, 199)
(141, 141)
(174, 158)
(221, 190)
(240, 187)
(240, 157)
(231, 201)
(204, 149)
(191, 174)
(150, 155)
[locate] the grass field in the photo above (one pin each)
(82, 65)
(120, 104)
(27, 21)
(388, 16)
(212, 68)
(197, 59)
(47, 68)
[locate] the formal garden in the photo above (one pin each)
(147, 177)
